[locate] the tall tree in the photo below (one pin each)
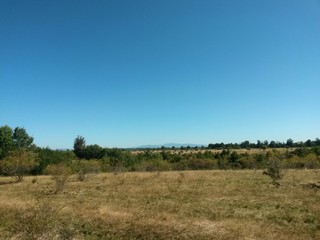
(308, 143)
(79, 146)
(6, 141)
(245, 144)
(289, 142)
(21, 138)
(259, 144)
(272, 144)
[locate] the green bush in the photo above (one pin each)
(18, 163)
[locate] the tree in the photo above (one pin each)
(18, 163)
(6, 141)
(308, 143)
(21, 138)
(79, 146)
(48, 156)
(245, 144)
(289, 142)
(93, 152)
(272, 144)
(115, 157)
(259, 144)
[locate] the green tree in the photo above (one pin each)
(259, 144)
(308, 143)
(245, 144)
(289, 142)
(48, 156)
(6, 141)
(21, 138)
(93, 152)
(272, 144)
(79, 146)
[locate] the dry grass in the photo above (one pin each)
(199, 150)
(169, 205)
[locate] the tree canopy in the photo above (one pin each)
(6, 141)
(21, 138)
(87, 152)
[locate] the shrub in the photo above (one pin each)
(181, 165)
(18, 163)
(40, 221)
(84, 167)
(60, 174)
(201, 164)
(153, 166)
(274, 171)
(312, 161)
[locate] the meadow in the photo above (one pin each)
(215, 204)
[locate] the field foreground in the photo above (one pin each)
(168, 205)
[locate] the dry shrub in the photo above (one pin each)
(60, 174)
(40, 220)
(87, 166)
(274, 171)
(153, 166)
(180, 177)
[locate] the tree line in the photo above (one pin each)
(20, 156)
(266, 144)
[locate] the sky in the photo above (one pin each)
(125, 73)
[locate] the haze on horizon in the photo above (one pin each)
(131, 73)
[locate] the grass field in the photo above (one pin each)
(168, 205)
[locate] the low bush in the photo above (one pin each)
(40, 220)
(153, 166)
(274, 171)
(18, 163)
(85, 167)
(60, 174)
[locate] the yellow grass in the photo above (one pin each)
(168, 205)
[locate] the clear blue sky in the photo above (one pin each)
(128, 73)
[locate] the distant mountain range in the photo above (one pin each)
(170, 145)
